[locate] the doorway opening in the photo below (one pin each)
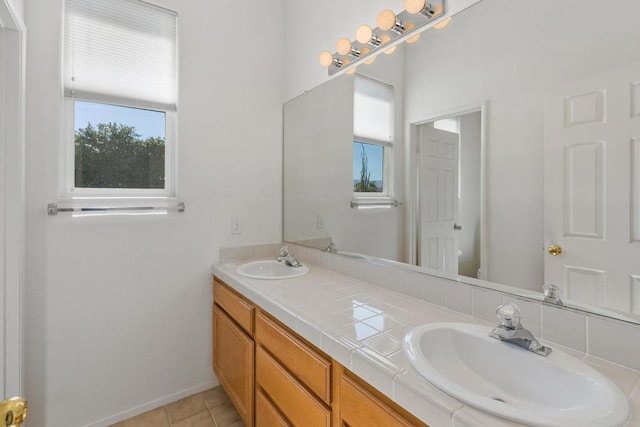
(449, 193)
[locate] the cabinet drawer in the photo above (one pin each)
(303, 362)
(237, 307)
(268, 415)
(359, 408)
(294, 401)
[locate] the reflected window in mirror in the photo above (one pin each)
(368, 168)
(372, 137)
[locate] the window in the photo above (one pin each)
(372, 138)
(121, 94)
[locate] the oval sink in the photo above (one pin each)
(270, 269)
(511, 382)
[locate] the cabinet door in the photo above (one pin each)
(359, 408)
(233, 362)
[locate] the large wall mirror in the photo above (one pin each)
(514, 156)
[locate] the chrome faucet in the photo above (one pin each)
(511, 330)
(331, 248)
(287, 258)
(552, 295)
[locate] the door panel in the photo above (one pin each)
(592, 188)
(438, 187)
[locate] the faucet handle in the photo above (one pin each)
(552, 294)
(284, 251)
(509, 315)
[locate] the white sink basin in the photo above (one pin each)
(508, 381)
(270, 269)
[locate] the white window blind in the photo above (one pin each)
(120, 51)
(372, 111)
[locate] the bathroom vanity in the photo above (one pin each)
(326, 349)
(274, 377)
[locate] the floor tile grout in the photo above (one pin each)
(220, 412)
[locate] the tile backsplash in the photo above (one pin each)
(593, 335)
(241, 253)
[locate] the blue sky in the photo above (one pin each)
(147, 123)
(375, 154)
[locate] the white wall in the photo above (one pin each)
(118, 308)
(469, 208)
(18, 8)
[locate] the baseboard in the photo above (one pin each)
(141, 409)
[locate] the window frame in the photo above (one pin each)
(388, 159)
(68, 189)
(387, 156)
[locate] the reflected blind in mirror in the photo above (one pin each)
(372, 111)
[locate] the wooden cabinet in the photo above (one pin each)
(310, 368)
(360, 405)
(295, 384)
(295, 376)
(268, 415)
(233, 352)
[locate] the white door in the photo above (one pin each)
(438, 194)
(592, 188)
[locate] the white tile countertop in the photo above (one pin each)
(362, 326)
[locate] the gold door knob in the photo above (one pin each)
(14, 411)
(554, 250)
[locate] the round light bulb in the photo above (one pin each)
(385, 38)
(386, 20)
(437, 9)
(364, 33)
(415, 6)
(343, 46)
(326, 58)
(414, 39)
(410, 26)
(440, 25)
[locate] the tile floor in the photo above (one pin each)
(210, 408)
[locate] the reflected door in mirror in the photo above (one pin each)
(592, 188)
(438, 198)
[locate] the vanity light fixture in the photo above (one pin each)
(392, 30)
(344, 47)
(413, 39)
(387, 21)
(364, 35)
(365, 51)
(351, 70)
(421, 7)
(440, 25)
(328, 60)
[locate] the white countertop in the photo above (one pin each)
(362, 325)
